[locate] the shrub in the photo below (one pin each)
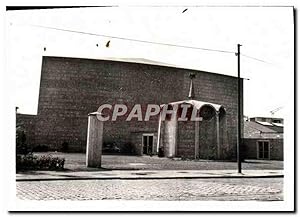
(44, 162)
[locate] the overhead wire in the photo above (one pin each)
(133, 39)
(146, 41)
(254, 58)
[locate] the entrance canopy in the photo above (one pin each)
(198, 104)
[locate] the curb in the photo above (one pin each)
(144, 178)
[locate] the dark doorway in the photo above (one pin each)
(147, 144)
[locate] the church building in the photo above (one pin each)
(71, 88)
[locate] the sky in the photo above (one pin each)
(266, 35)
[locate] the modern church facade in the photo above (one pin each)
(71, 88)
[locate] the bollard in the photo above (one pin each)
(94, 141)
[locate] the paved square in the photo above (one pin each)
(178, 189)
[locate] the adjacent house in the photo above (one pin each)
(263, 138)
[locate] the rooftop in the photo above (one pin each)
(256, 130)
(142, 61)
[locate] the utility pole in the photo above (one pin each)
(239, 160)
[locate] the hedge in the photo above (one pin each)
(44, 162)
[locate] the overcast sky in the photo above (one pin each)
(266, 33)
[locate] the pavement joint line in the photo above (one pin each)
(143, 178)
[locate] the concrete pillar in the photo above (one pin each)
(218, 134)
(94, 141)
(158, 133)
(197, 138)
(171, 137)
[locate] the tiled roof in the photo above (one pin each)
(255, 130)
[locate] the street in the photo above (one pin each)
(229, 189)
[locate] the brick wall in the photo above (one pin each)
(28, 122)
(137, 142)
(186, 139)
(71, 88)
(250, 148)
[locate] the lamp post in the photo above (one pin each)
(239, 160)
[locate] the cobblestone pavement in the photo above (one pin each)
(76, 162)
(179, 189)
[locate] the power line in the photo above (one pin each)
(260, 60)
(132, 39)
(145, 41)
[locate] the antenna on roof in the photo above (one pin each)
(276, 110)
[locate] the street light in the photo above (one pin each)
(239, 160)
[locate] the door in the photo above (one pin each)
(263, 150)
(148, 144)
